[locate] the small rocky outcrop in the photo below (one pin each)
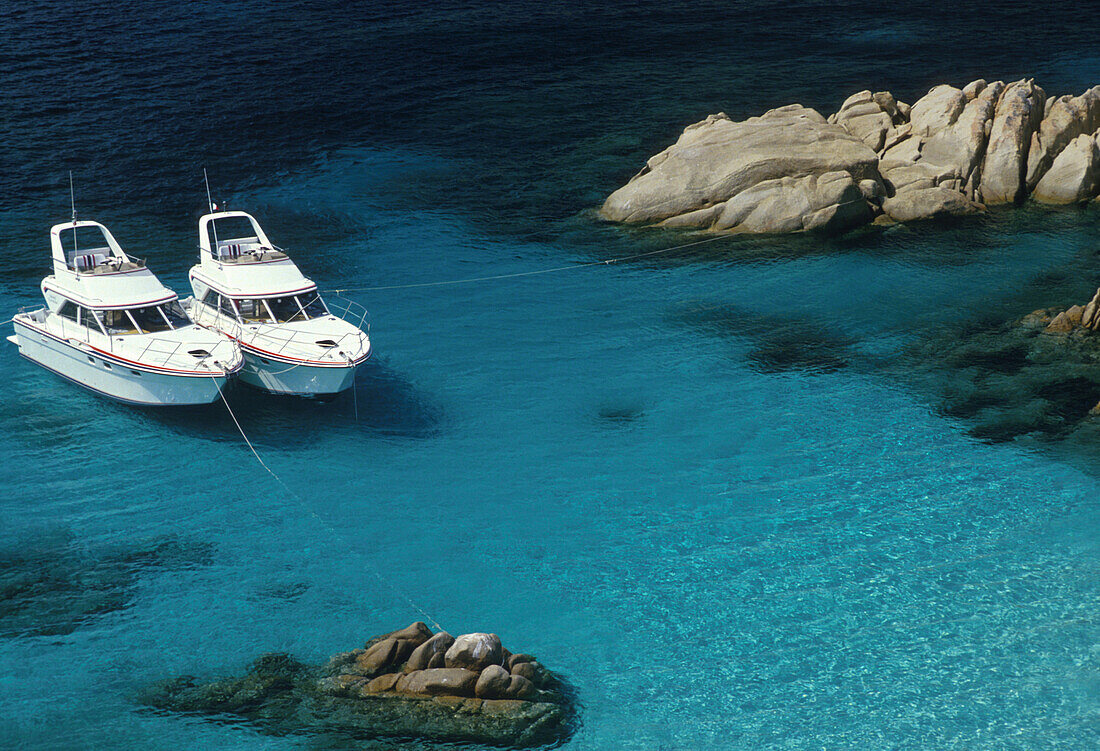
(479, 693)
(951, 153)
(1080, 319)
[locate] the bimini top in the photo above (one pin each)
(90, 267)
(236, 258)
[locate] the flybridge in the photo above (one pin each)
(236, 257)
(90, 266)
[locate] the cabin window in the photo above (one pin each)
(227, 307)
(313, 305)
(90, 320)
(149, 319)
(68, 310)
(119, 322)
(210, 298)
(254, 311)
(175, 314)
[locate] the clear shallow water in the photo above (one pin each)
(714, 489)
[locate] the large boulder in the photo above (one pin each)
(716, 159)
(383, 655)
(830, 203)
(431, 653)
(961, 145)
(493, 683)
(928, 203)
(474, 652)
(440, 681)
(1067, 118)
(936, 110)
(1019, 113)
(1074, 176)
(869, 117)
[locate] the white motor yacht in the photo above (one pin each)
(247, 288)
(112, 327)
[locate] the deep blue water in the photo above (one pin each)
(725, 492)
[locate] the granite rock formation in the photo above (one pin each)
(408, 684)
(952, 153)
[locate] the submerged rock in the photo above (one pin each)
(1038, 376)
(485, 706)
(950, 154)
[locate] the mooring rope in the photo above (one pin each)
(604, 262)
(374, 572)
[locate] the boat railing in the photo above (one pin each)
(245, 256)
(109, 265)
(168, 352)
(277, 339)
(349, 310)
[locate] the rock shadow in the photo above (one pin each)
(53, 586)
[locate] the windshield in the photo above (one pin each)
(173, 311)
(285, 309)
(253, 311)
(313, 305)
(118, 322)
(148, 320)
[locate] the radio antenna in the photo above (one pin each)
(72, 202)
(213, 208)
(209, 201)
(72, 196)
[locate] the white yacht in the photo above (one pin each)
(250, 290)
(112, 327)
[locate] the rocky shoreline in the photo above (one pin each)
(952, 153)
(409, 684)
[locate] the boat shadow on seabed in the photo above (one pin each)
(380, 401)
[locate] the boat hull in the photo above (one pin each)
(114, 379)
(295, 379)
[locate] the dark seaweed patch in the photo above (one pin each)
(778, 344)
(806, 351)
(54, 587)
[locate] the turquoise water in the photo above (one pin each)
(719, 490)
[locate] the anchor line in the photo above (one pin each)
(332, 530)
(555, 269)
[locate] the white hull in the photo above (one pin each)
(295, 379)
(113, 378)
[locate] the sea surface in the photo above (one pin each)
(723, 490)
